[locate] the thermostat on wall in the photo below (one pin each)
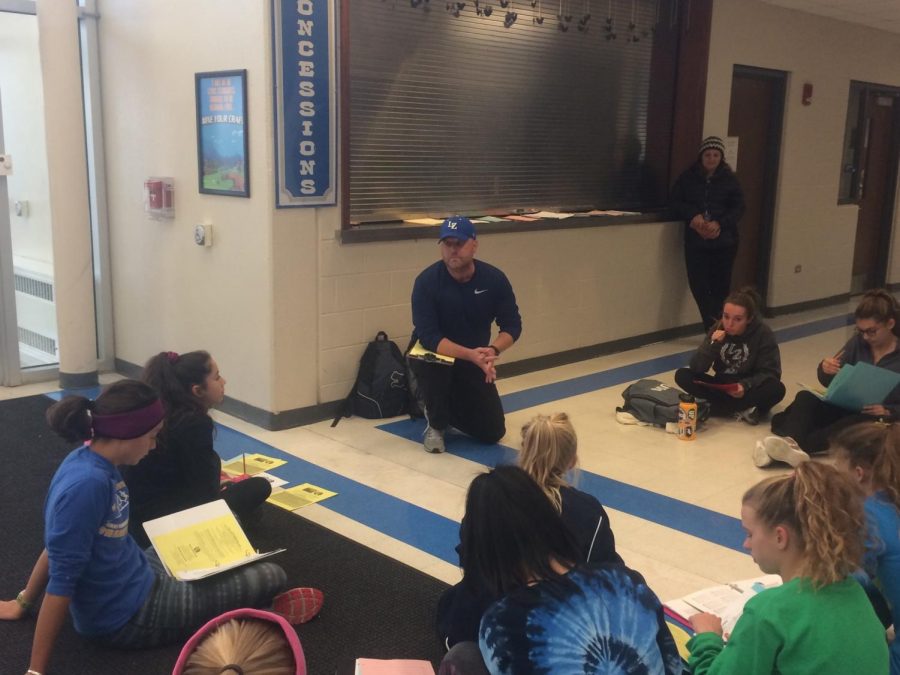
(203, 235)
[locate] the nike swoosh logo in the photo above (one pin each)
(483, 290)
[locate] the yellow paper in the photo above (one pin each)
(681, 637)
(255, 463)
(424, 221)
(213, 543)
(419, 352)
(299, 496)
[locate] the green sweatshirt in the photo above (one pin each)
(795, 630)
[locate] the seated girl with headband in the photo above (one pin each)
(183, 470)
(92, 569)
(243, 642)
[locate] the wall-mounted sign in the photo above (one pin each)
(304, 40)
(222, 163)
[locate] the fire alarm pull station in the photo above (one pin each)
(159, 197)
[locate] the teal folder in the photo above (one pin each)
(859, 385)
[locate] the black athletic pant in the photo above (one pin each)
(458, 396)
(709, 276)
(242, 498)
(812, 422)
(763, 396)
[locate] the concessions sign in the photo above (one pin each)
(304, 37)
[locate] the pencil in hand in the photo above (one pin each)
(716, 326)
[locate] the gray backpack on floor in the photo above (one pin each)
(654, 402)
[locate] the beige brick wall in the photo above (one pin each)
(575, 287)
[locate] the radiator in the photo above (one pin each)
(36, 315)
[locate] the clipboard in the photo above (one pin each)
(729, 388)
(420, 353)
(201, 541)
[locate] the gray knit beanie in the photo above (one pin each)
(714, 143)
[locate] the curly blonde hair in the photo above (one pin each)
(257, 647)
(824, 509)
(549, 451)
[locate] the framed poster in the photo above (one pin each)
(222, 162)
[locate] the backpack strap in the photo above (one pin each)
(345, 408)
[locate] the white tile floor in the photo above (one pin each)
(711, 472)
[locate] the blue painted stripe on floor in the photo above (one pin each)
(437, 535)
(382, 512)
(529, 398)
(394, 517)
(697, 521)
(813, 328)
(91, 393)
(689, 518)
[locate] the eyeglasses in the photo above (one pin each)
(869, 332)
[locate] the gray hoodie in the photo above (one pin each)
(750, 358)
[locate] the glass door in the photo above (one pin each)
(26, 266)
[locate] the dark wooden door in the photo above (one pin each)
(875, 202)
(755, 118)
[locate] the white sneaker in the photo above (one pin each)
(785, 449)
(434, 440)
(760, 456)
(623, 417)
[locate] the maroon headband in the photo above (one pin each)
(127, 425)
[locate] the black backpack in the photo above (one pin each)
(656, 403)
(382, 384)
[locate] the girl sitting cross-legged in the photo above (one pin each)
(92, 569)
(745, 359)
(808, 422)
(184, 470)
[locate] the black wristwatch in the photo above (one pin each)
(496, 351)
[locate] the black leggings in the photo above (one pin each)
(812, 422)
(763, 396)
(242, 498)
(709, 276)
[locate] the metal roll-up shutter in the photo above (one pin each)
(461, 115)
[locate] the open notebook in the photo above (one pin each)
(202, 541)
(725, 601)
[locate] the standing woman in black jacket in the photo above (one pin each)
(708, 198)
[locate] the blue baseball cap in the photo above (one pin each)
(458, 227)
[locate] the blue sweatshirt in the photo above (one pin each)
(883, 559)
(463, 312)
(92, 559)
